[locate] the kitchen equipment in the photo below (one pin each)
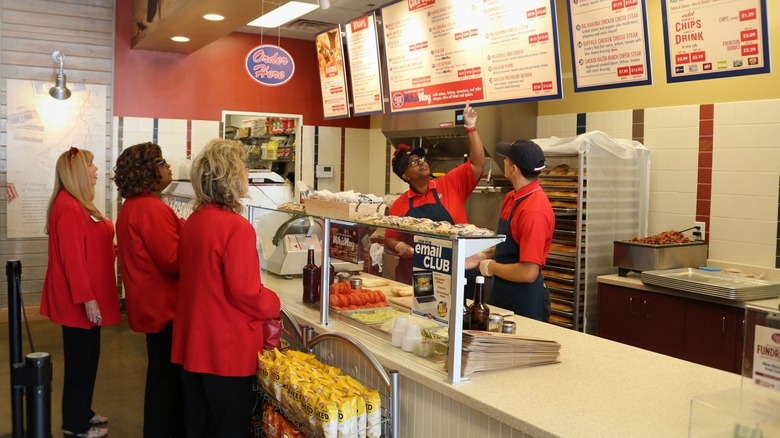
(355, 283)
(716, 284)
(631, 256)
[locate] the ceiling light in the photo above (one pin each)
(213, 17)
(285, 13)
(60, 90)
(180, 39)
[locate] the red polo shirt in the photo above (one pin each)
(532, 224)
(453, 189)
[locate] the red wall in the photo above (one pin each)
(200, 85)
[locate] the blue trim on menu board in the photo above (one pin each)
(730, 73)
(483, 102)
(648, 60)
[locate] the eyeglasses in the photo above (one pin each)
(160, 162)
(416, 162)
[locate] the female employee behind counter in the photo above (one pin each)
(440, 199)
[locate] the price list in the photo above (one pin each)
(609, 44)
(715, 38)
(442, 53)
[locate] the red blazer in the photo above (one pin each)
(218, 327)
(147, 234)
(80, 266)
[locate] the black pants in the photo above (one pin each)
(163, 400)
(81, 350)
(217, 406)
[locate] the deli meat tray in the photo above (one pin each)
(715, 284)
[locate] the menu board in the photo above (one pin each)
(365, 74)
(442, 53)
(333, 80)
(609, 46)
(707, 39)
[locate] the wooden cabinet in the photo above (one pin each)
(711, 333)
(643, 319)
(698, 331)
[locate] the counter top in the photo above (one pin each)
(632, 280)
(600, 388)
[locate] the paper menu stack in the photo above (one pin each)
(488, 351)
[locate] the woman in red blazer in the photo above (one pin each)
(147, 234)
(218, 325)
(79, 290)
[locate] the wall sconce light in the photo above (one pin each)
(60, 90)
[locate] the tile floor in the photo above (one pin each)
(119, 391)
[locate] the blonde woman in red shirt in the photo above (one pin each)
(147, 233)
(218, 325)
(79, 290)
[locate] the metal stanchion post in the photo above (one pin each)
(13, 271)
(32, 376)
(38, 393)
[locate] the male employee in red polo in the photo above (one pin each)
(439, 199)
(528, 221)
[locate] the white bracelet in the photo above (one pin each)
(468, 126)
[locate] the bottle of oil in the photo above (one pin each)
(480, 313)
(311, 279)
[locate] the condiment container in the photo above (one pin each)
(495, 321)
(355, 283)
(509, 327)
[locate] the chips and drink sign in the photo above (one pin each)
(708, 39)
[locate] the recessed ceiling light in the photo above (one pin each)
(180, 39)
(213, 17)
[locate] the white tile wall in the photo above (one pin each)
(201, 132)
(305, 154)
(562, 126)
(329, 152)
(672, 136)
(172, 138)
(357, 159)
(745, 178)
(618, 124)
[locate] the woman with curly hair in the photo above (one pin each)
(147, 232)
(79, 290)
(218, 327)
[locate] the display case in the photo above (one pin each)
(461, 247)
(598, 187)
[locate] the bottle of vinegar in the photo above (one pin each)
(311, 279)
(480, 313)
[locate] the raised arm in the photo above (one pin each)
(476, 150)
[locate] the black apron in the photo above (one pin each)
(526, 299)
(434, 211)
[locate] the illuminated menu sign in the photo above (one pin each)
(715, 38)
(333, 80)
(442, 53)
(609, 44)
(365, 73)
